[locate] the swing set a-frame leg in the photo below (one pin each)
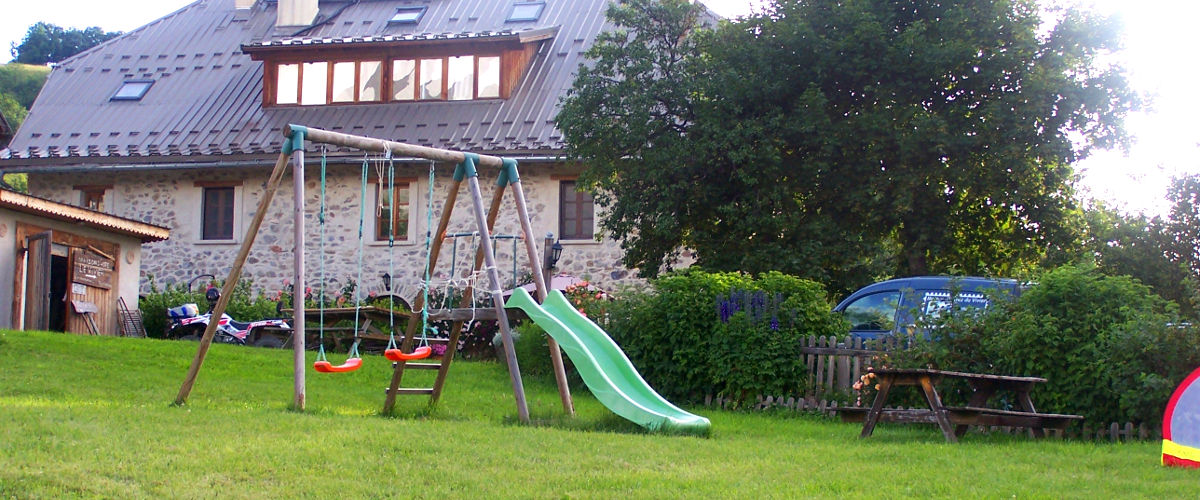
(414, 320)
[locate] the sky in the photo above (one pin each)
(1160, 45)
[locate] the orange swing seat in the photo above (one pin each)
(398, 355)
(327, 367)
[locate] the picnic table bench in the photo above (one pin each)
(954, 420)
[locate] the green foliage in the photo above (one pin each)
(12, 111)
(244, 305)
(22, 82)
(533, 355)
(841, 141)
(16, 182)
(1151, 250)
(677, 338)
(74, 407)
(1109, 348)
(47, 43)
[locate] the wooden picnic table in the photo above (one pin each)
(954, 421)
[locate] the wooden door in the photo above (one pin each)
(37, 281)
(90, 282)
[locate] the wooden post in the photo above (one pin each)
(543, 287)
(489, 258)
(298, 331)
(465, 300)
(231, 280)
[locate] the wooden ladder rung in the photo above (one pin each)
(413, 391)
(420, 366)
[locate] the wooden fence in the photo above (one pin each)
(835, 364)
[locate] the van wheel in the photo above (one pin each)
(269, 341)
(191, 333)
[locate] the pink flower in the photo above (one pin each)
(287, 282)
(858, 386)
(373, 294)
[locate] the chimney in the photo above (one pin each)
(296, 13)
(243, 4)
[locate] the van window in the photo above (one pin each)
(873, 312)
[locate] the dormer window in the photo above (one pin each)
(408, 15)
(132, 90)
(526, 11)
(450, 78)
(396, 68)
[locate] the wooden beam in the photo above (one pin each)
(398, 149)
(231, 280)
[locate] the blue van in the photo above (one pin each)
(890, 307)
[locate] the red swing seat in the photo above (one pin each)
(398, 355)
(327, 367)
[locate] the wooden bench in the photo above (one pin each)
(962, 415)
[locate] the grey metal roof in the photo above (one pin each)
(207, 97)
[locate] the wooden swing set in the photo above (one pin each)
(293, 150)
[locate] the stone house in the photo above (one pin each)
(178, 123)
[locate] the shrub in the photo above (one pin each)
(686, 348)
(1107, 345)
(533, 354)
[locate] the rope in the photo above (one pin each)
(391, 250)
(321, 290)
(362, 215)
(428, 258)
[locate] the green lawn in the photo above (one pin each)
(91, 417)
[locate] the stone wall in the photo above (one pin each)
(172, 199)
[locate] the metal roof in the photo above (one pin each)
(206, 101)
(21, 202)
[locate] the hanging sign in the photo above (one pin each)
(93, 270)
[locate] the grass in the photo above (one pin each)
(91, 417)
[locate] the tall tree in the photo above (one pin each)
(827, 133)
(1184, 222)
(47, 43)
(1141, 247)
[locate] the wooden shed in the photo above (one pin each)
(63, 268)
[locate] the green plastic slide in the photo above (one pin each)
(605, 368)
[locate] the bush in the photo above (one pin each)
(699, 333)
(1107, 345)
(533, 354)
